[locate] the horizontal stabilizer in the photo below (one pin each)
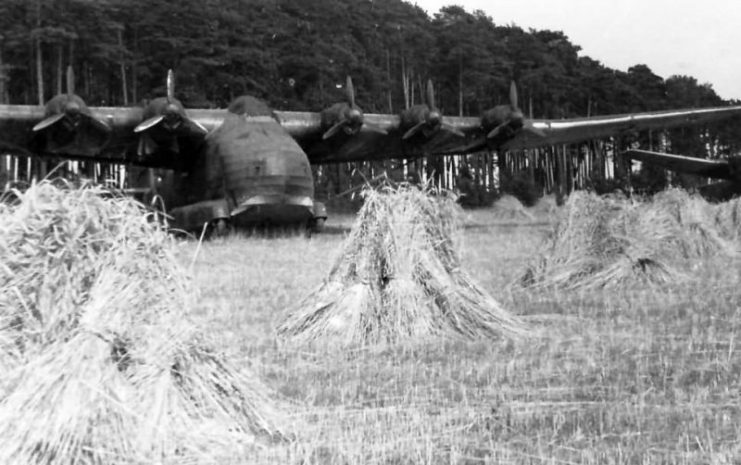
(719, 169)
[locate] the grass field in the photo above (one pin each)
(641, 375)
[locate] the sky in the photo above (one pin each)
(698, 38)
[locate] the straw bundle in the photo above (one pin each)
(509, 207)
(399, 276)
(728, 219)
(603, 241)
(697, 233)
(101, 364)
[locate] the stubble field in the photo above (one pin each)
(635, 375)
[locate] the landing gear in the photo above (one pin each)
(317, 225)
(219, 227)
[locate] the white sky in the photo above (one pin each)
(698, 38)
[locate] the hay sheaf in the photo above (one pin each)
(100, 364)
(608, 241)
(508, 207)
(399, 276)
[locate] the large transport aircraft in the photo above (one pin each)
(249, 164)
(727, 169)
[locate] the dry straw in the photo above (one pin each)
(509, 208)
(100, 364)
(611, 241)
(399, 276)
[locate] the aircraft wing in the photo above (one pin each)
(719, 169)
(555, 132)
(382, 140)
(380, 137)
(388, 143)
(17, 121)
(17, 136)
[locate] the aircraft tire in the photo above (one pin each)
(317, 225)
(220, 227)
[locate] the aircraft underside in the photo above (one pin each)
(251, 172)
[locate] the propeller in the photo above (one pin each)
(169, 113)
(430, 118)
(70, 110)
(514, 118)
(70, 80)
(347, 115)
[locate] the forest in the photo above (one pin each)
(295, 54)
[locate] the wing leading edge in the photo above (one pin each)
(555, 132)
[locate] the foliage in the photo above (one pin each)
(522, 186)
(295, 54)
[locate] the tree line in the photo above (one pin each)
(296, 53)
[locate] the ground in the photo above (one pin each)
(640, 375)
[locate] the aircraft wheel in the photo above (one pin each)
(220, 227)
(317, 225)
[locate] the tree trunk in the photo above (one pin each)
(3, 76)
(60, 69)
(388, 77)
(39, 62)
(122, 65)
(405, 83)
(460, 86)
(39, 73)
(134, 94)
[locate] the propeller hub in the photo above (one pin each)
(354, 119)
(171, 116)
(72, 112)
(434, 119)
(72, 108)
(517, 120)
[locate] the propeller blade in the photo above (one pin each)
(350, 92)
(453, 130)
(47, 122)
(70, 81)
(333, 130)
(170, 85)
(495, 132)
(146, 146)
(513, 94)
(150, 123)
(430, 94)
(414, 130)
(195, 126)
(98, 123)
